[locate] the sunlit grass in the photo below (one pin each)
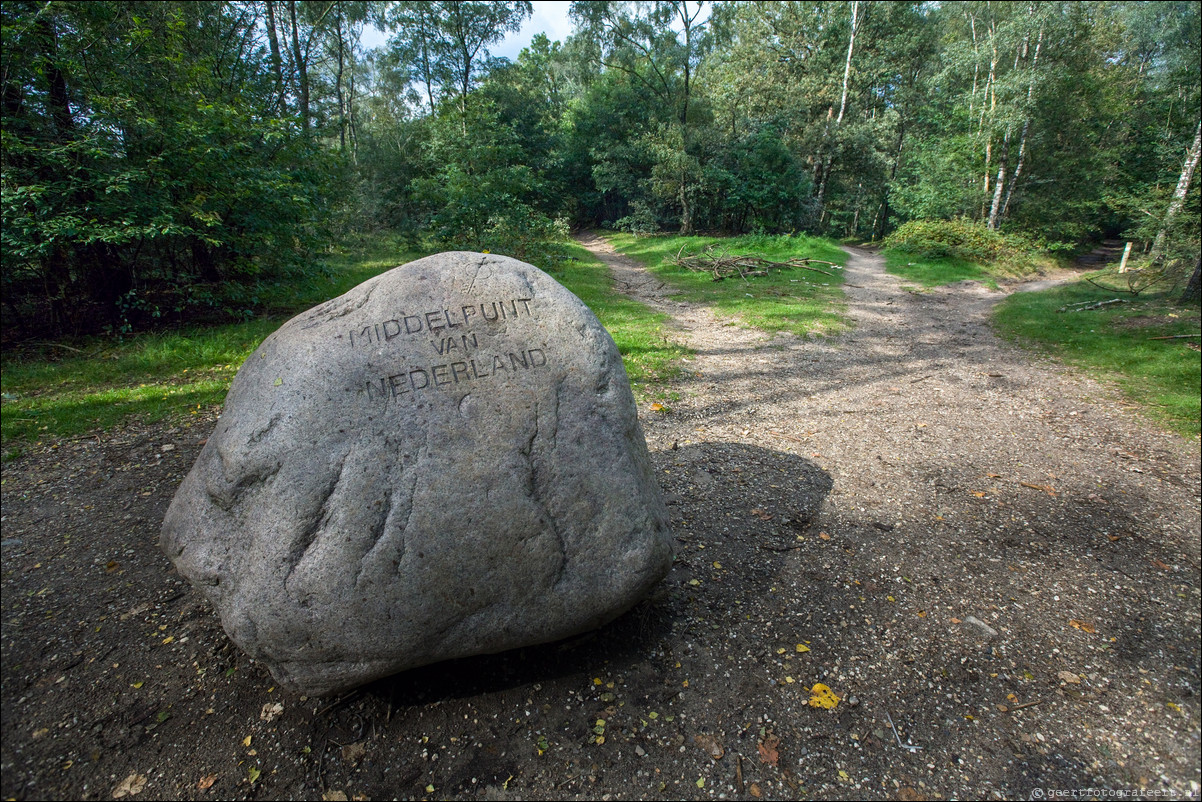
(936, 271)
(649, 354)
(798, 300)
(65, 389)
(1116, 342)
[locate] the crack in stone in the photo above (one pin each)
(310, 535)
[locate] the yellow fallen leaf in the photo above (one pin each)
(136, 684)
(252, 774)
(822, 696)
(700, 782)
(801, 647)
(246, 740)
(657, 407)
(168, 639)
(1084, 626)
(790, 680)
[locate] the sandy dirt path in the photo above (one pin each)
(970, 481)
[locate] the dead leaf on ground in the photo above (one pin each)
(711, 745)
(754, 790)
(824, 536)
(206, 782)
(1069, 677)
(270, 711)
(822, 696)
(1045, 488)
(130, 786)
(908, 794)
(763, 516)
(334, 796)
(768, 751)
(1084, 626)
(353, 753)
(1160, 565)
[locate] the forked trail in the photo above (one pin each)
(970, 483)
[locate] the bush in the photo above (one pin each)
(960, 239)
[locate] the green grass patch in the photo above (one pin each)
(927, 271)
(799, 301)
(57, 390)
(1116, 343)
(649, 355)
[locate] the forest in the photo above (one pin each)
(169, 161)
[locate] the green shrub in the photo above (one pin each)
(960, 239)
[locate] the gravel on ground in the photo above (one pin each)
(991, 562)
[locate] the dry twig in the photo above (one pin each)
(723, 264)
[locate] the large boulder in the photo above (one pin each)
(445, 461)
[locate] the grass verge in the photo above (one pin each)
(1116, 342)
(650, 356)
(928, 271)
(799, 301)
(57, 390)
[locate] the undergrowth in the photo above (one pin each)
(799, 301)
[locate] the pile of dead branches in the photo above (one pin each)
(723, 265)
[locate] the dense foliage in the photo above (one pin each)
(167, 159)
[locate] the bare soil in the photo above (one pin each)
(988, 559)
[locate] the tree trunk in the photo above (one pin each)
(1193, 290)
(302, 71)
(1022, 141)
(57, 97)
(851, 43)
(998, 183)
(338, 80)
(277, 66)
(1187, 175)
(829, 159)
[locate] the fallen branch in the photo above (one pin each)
(1085, 306)
(1107, 288)
(1175, 336)
(724, 265)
